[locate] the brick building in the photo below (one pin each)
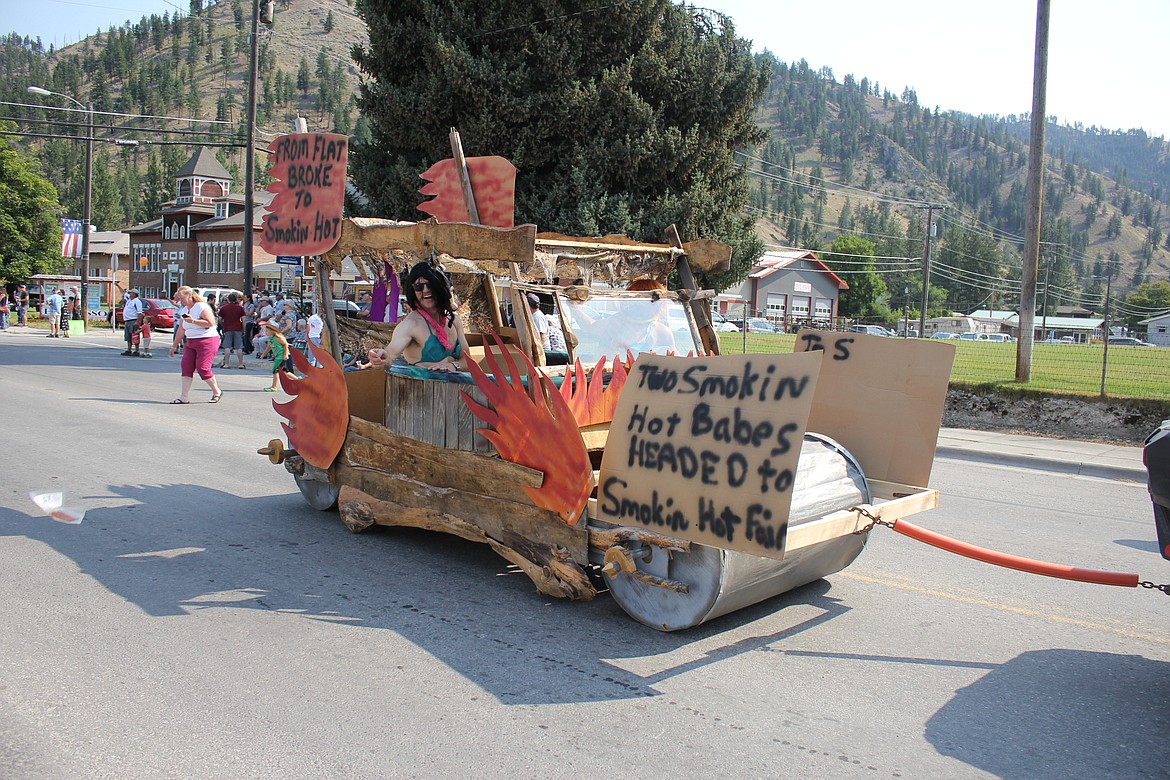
(196, 239)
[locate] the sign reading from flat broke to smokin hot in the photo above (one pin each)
(706, 449)
(309, 182)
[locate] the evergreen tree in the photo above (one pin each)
(622, 120)
(106, 200)
(154, 188)
(303, 76)
(329, 23)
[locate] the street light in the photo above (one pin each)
(88, 186)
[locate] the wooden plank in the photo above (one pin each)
(495, 247)
(454, 460)
(525, 326)
(494, 515)
(489, 290)
(846, 522)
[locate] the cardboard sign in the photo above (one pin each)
(309, 181)
(706, 449)
(882, 399)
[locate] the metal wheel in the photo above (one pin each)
(318, 494)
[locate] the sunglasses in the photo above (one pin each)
(419, 286)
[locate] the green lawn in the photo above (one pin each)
(1072, 369)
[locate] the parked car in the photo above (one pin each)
(343, 308)
(723, 324)
(943, 334)
(219, 293)
(1127, 341)
(974, 337)
(872, 330)
(1001, 337)
(759, 325)
(161, 313)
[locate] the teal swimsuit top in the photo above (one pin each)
(433, 351)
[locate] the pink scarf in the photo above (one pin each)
(439, 330)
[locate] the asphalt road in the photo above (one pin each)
(204, 622)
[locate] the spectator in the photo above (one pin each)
(54, 305)
(231, 319)
(21, 306)
(67, 314)
(280, 350)
(130, 314)
(538, 319)
(3, 309)
(316, 326)
(198, 328)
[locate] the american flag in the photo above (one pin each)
(70, 238)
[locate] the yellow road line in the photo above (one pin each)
(1007, 608)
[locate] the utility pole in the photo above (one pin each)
(249, 151)
(85, 220)
(1035, 197)
(1105, 354)
(1044, 305)
(926, 268)
(906, 314)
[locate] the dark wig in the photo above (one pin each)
(440, 288)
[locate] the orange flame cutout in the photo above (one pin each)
(591, 401)
(319, 413)
(534, 428)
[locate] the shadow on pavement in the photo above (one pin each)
(1015, 721)
(166, 552)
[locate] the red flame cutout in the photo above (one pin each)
(534, 427)
(591, 400)
(319, 412)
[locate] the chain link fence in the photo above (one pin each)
(1116, 370)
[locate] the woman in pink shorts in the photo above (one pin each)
(198, 328)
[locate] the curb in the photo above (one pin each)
(1078, 468)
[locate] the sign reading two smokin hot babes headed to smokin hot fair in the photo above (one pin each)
(706, 449)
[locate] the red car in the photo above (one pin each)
(160, 311)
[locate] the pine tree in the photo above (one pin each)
(303, 76)
(622, 120)
(329, 23)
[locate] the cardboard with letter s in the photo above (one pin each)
(706, 449)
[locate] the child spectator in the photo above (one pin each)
(279, 347)
(140, 337)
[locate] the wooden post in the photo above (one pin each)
(325, 305)
(525, 326)
(464, 177)
(699, 309)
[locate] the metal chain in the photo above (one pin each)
(1151, 586)
(873, 520)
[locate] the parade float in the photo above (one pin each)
(686, 482)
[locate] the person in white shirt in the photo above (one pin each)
(130, 314)
(539, 320)
(316, 325)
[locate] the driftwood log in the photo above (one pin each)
(550, 567)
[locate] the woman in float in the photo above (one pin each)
(431, 336)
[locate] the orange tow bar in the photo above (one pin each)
(1014, 561)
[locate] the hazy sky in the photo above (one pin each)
(1106, 63)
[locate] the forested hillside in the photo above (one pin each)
(852, 158)
(165, 84)
(845, 158)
